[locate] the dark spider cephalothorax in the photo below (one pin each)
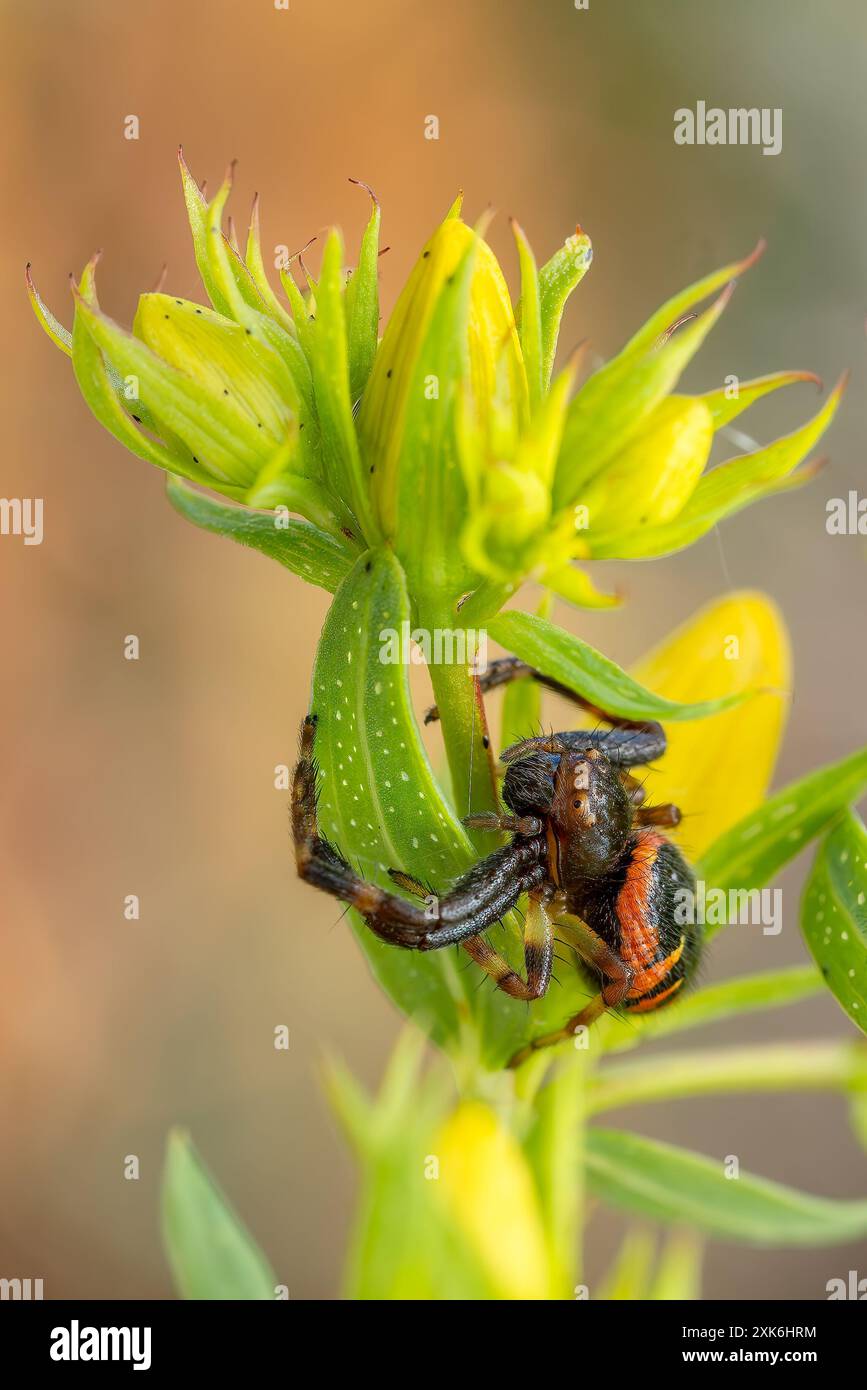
(585, 849)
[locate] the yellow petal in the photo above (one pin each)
(719, 769)
(487, 1183)
(653, 477)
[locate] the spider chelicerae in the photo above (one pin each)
(584, 847)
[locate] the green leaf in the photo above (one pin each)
(571, 662)
(771, 989)
(753, 851)
(834, 915)
(673, 1185)
(212, 1255)
(307, 551)
(557, 279)
(805, 1066)
(381, 805)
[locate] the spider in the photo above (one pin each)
(588, 853)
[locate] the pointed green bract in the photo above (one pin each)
(673, 310)
(729, 401)
(362, 306)
(834, 915)
(617, 401)
(330, 367)
(53, 327)
(557, 279)
(256, 266)
(530, 319)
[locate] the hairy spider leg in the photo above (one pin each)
(619, 977)
(628, 743)
(475, 902)
(537, 935)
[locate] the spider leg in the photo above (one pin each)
(517, 825)
(593, 951)
(629, 742)
(538, 954)
(666, 815)
(478, 899)
(635, 790)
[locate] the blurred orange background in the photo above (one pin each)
(156, 777)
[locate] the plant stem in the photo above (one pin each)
(465, 734)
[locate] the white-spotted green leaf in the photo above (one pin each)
(753, 851)
(211, 1254)
(382, 807)
(834, 915)
(571, 662)
(674, 1186)
(379, 801)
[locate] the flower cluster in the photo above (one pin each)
(451, 439)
